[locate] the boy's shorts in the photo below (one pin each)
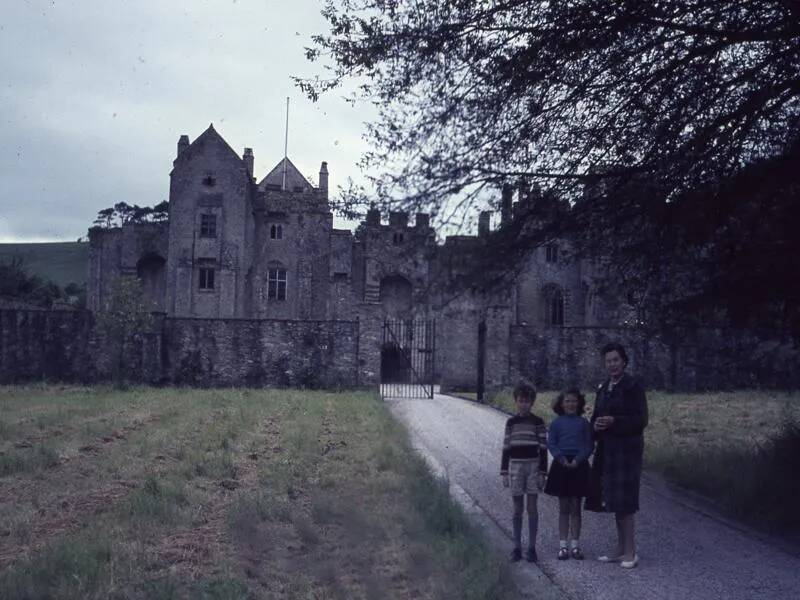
(524, 477)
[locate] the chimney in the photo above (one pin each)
(523, 191)
(248, 159)
(505, 206)
(323, 178)
(183, 144)
(422, 220)
(483, 223)
(373, 216)
(398, 219)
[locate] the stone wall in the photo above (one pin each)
(698, 360)
(65, 346)
(266, 352)
(40, 345)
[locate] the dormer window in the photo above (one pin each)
(276, 231)
(209, 180)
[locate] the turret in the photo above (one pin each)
(505, 205)
(373, 216)
(483, 223)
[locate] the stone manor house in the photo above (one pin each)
(250, 284)
(239, 248)
(236, 247)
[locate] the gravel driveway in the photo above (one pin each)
(683, 552)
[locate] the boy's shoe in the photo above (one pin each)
(563, 554)
(530, 555)
(516, 555)
(576, 553)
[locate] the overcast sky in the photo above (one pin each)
(95, 94)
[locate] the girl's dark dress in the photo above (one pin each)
(617, 468)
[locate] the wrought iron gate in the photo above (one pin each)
(407, 358)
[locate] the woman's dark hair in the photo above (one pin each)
(524, 390)
(558, 405)
(615, 347)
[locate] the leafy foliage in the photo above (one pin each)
(644, 117)
(15, 282)
(122, 213)
(126, 314)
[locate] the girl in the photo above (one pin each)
(570, 443)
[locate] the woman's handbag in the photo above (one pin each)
(594, 499)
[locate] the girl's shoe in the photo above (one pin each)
(576, 553)
(516, 555)
(629, 564)
(530, 555)
(563, 554)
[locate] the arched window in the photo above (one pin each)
(553, 306)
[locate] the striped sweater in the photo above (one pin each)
(525, 439)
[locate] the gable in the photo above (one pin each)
(294, 179)
(210, 137)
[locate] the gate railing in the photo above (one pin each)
(407, 358)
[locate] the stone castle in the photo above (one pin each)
(234, 247)
(251, 285)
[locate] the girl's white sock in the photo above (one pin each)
(573, 543)
(562, 543)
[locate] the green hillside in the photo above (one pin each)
(59, 262)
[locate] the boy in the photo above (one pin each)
(525, 464)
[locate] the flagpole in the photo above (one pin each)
(285, 145)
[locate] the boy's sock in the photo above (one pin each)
(573, 543)
(517, 521)
(533, 528)
(517, 531)
(562, 543)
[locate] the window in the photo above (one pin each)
(551, 253)
(209, 180)
(276, 232)
(208, 226)
(276, 284)
(206, 280)
(555, 308)
(398, 238)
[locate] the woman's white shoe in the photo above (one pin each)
(609, 559)
(629, 564)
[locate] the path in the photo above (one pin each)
(683, 553)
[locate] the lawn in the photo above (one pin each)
(182, 493)
(741, 449)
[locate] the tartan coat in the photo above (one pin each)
(618, 455)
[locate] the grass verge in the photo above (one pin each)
(237, 494)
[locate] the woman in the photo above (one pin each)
(618, 422)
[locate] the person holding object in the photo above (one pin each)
(618, 421)
(569, 440)
(524, 466)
